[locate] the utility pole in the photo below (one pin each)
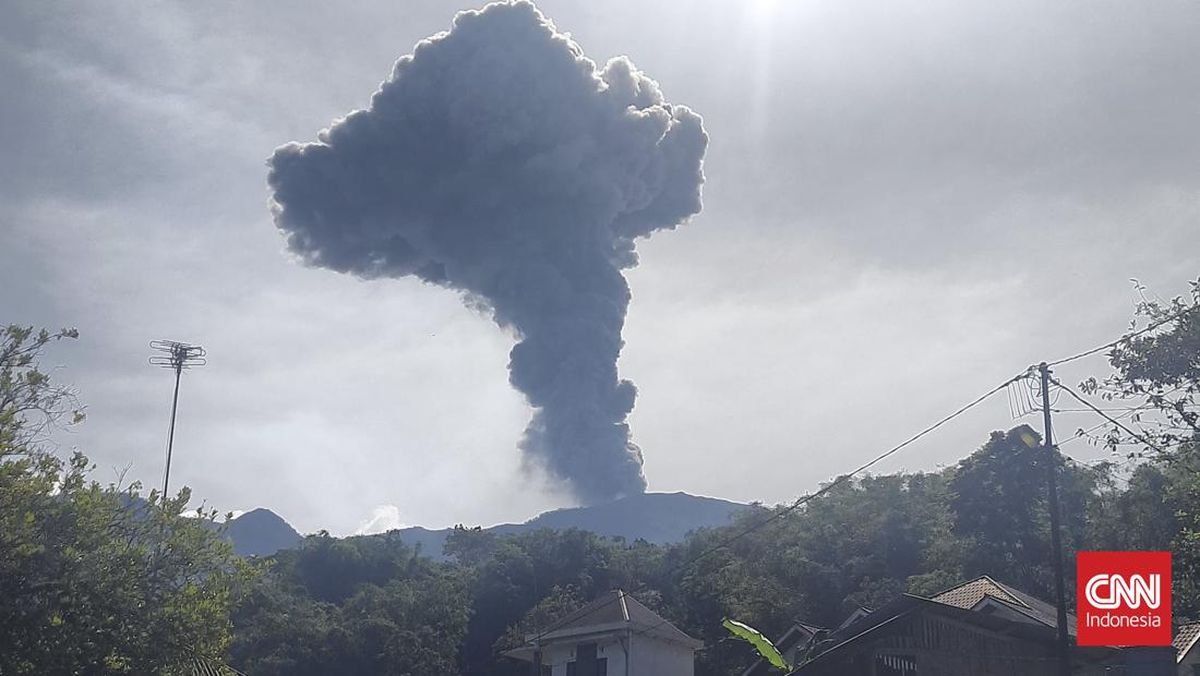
(177, 357)
(1064, 642)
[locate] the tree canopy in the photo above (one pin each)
(96, 579)
(99, 579)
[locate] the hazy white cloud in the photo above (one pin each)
(383, 519)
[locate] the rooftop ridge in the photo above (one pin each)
(967, 594)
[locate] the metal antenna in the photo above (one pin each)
(176, 356)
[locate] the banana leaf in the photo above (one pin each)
(761, 643)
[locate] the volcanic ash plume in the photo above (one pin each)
(498, 161)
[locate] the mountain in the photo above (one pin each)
(660, 518)
(261, 532)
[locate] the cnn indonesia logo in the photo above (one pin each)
(1123, 598)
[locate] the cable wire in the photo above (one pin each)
(1106, 416)
(1126, 337)
(805, 499)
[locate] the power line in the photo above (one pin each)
(1126, 337)
(862, 468)
(1122, 409)
(1128, 411)
(1108, 417)
(805, 499)
(1081, 434)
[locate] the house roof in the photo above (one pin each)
(859, 622)
(856, 615)
(986, 603)
(607, 609)
(968, 594)
(907, 604)
(614, 607)
(612, 613)
(1184, 639)
(974, 594)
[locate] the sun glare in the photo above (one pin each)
(763, 8)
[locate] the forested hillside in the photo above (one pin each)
(369, 604)
(77, 554)
(363, 605)
(662, 518)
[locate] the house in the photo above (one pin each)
(981, 627)
(914, 636)
(985, 595)
(615, 635)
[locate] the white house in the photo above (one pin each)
(615, 635)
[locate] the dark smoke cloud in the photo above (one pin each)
(498, 161)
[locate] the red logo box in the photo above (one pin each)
(1123, 598)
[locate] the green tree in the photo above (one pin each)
(354, 606)
(1162, 369)
(560, 602)
(95, 579)
(861, 543)
(1159, 371)
(470, 546)
(999, 500)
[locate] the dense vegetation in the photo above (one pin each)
(374, 605)
(367, 605)
(861, 543)
(96, 579)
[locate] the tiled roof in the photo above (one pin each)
(1185, 638)
(970, 594)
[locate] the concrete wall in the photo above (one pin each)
(557, 657)
(652, 657)
(648, 657)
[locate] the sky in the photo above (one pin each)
(905, 204)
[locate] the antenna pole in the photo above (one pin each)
(171, 429)
(1064, 643)
(176, 356)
